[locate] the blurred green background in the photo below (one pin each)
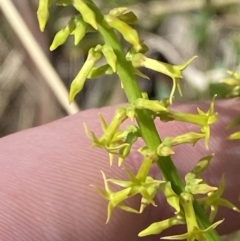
(174, 31)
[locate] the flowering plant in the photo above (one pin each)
(181, 195)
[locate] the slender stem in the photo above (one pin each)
(145, 122)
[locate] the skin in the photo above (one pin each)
(46, 172)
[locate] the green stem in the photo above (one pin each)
(146, 124)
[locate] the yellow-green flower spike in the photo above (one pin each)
(86, 12)
(43, 13)
(110, 56)
(128, 33)
(81, 77)
(62, 35)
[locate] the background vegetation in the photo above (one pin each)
(174, 31)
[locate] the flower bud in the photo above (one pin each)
(158, 227)
(86, 12)
(62, 35)
(79, 81)
(43, 13)
(171, 196)
(164, 150)
(110, 56)
(128, 33)
(80, 29)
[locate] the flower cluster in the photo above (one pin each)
(182, 196)
(119, 142)
(115, 141)
(119, 20)
(184, 205)
(140, 183)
